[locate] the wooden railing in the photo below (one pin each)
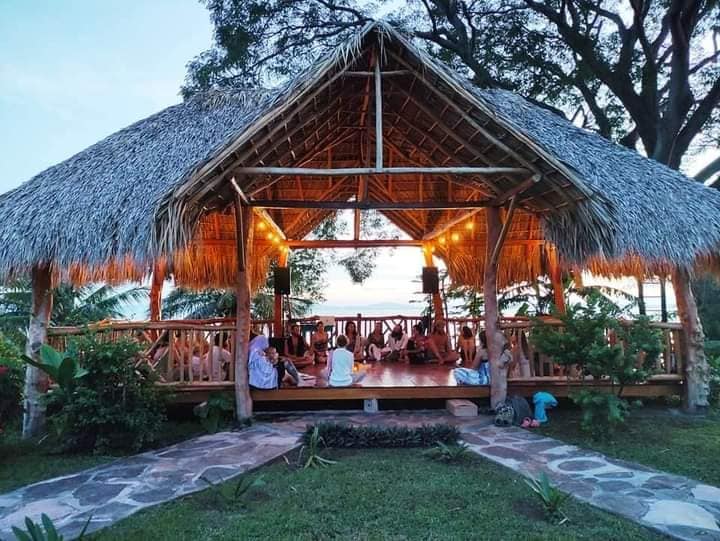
(200, 351)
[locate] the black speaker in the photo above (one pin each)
(430, 280)
(282, 280)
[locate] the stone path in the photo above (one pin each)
(675, 505)
(113, 491)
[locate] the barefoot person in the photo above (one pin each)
(439, 344)
(266, 370)
(319, 341)
(296, 349)
(397, 345)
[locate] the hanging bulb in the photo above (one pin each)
(262, 226)
(455, 237)
(442, 240)
(470, 225)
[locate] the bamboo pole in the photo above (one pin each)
(244, 232)
(362, 204)
(36, 380)
(697, 370)
(344, 171)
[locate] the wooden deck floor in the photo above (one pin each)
(404, 381)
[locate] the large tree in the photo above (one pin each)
(642, 72)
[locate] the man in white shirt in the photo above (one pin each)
(397, 345)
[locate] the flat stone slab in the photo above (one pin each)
(674, 505)
(114, 491)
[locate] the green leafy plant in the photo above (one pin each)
(46, 532)
(226, 498)
(551, 498)
(592, 338)
(63, 368)
(452, 454)
(211, 412)
(115, 405)
(312, 446)
(602, 413)
(342, 435)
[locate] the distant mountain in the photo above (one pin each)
(374, 309)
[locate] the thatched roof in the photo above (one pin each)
(147, 191)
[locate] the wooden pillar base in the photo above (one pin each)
(36, 380)
(696, 368)
(244, 231)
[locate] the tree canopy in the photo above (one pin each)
(644, 73)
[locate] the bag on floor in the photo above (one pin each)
(504, 415)
(521, 409)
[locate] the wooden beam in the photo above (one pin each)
(378, 118)
(495, 257)
(36, 381)
(372, 243)
(365, 205)
(328, 172)
(156, 284)
(450, 224)
(494, 336)
(556, 280)
(244, 233)
(278, 304)
(263, 214)
(389, 73)
(512, 192)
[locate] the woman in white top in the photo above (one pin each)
(341, 366)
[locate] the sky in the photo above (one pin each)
(74, 71)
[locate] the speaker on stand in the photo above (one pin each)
(430, 280)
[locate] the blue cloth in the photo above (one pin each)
(262, 374)
(543, 400)
(470, 376)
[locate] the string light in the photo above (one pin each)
(270, 236)
(262, 226)
(470, 225)
(455, 237)
(442, 240)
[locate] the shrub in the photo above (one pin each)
(312, 445)
(364, 437)
(46, 532)
(592, 338)
(116, 405)
(602, 413)
(451, 454)
(714, 363)
(11, 382)
(212, 411)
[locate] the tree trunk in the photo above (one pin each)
(495, 338)
(243, 230)
(697, 372)
(35, 380)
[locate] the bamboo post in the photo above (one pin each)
(156, 284)
(697, 372)
(495, 338)
(243, 231)
(36, 380)
(278, 308)
(436, 298)
(556, 280)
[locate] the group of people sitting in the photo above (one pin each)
(270, 368)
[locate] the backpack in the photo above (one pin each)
(521, 409)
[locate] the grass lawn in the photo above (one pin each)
(378, 494)
(24, 462)
(654, 436)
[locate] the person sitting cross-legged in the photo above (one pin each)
(397, 345)
(296, 349)
(266, 370)
(438, 345)
(376, 348)
(355, 341)
(340, 366)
